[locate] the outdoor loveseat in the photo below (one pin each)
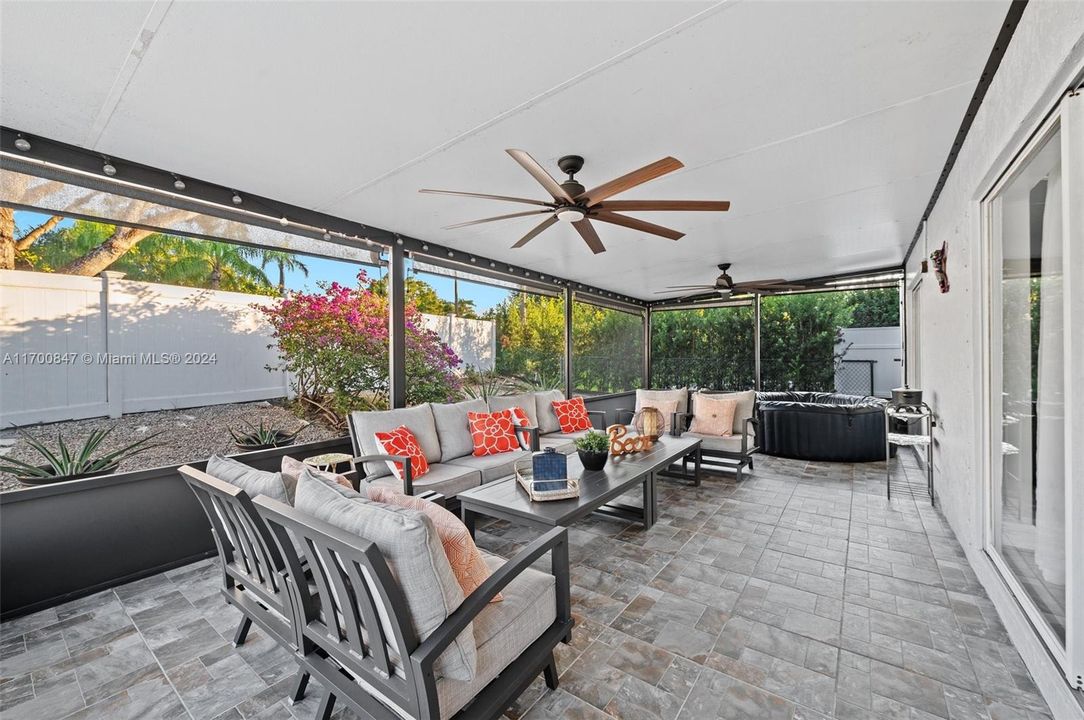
(445, 439)
(822, 426)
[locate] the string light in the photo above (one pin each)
(22, 144)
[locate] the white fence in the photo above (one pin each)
(76, 347)
(883, 346)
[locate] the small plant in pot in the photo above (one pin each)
(71, 463)
(263, 437)
(593, 448)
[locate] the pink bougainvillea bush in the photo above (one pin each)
(335, 345)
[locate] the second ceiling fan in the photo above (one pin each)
(573, 203)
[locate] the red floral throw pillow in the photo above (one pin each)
(519, 417)
(401, 441)
(572, 415)
(492, 433)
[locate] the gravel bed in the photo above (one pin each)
(189, 435)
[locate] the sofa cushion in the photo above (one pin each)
(547, 417)
(562, 442)
(492, 467)
(524, 400)
(254, 482)
(418, 418)
(452, 428)
(503, 631)
(447, 479)
(412, 548)
(722, 443)
(746, 401)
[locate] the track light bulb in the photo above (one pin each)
(109, 169)
(283, 221)
(178, 183)
(22, 144)
(237, 199)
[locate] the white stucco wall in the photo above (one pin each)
(1046, 54)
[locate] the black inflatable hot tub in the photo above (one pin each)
(821, 426)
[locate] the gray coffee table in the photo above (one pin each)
(506, 500)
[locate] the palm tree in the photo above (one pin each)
(218, 266)
(285, 261)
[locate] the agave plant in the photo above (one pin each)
(67, 462)
(263, 436)
(485, 386)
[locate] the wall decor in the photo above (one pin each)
(940, 266)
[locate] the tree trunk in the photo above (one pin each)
(282, 278)
(100, 258)
(214, 280)
(27, 240)
(7, 238)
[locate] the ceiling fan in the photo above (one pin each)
(573, 203)
(725, 286)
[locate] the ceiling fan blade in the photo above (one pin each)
(587, 232)
(631, 180)
(634, 224)
(486, 196)
(539, 173)
(497, 217)
(665, 205)
(672, 288)
(772, 281)
(535, 231)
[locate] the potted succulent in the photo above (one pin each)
(263, 437)
(593, 447)
(71, 463)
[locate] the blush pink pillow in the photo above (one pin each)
(463, 555)
(291, 471)
(713, 416)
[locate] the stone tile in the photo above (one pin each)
(911, 689)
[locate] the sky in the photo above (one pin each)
(322, 269)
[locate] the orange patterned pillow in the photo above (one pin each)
(467, 562)
(492, 433)
(572, 415)
(713, 416)
(401, 441)
(520, 419)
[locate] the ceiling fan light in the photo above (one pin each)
(570, 214)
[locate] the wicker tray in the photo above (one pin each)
(525, 479)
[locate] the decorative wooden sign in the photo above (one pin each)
(621, 443)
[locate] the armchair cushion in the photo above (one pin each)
(452, 427)
(656, 399)
(463, 555)
(252, 481)
(503, 631)
(411, 546)
(745, 400)
(291, 471)
(547, 418)
(418, 418)
(719, 443)
(524, 400)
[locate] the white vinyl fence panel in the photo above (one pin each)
(882, 345)
(76, 347)
(474, 341)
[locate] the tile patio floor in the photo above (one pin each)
(801, 593)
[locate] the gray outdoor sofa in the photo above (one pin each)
(444, 436)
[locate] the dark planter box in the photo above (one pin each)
(66, 540)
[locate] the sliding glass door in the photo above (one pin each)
(1031, 500)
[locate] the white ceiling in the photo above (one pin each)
(825, 123)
